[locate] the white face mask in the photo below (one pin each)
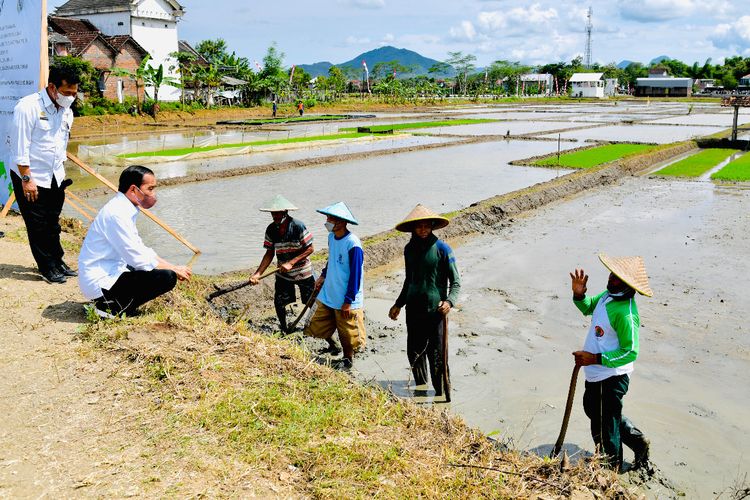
(329, 226)
(65, 101)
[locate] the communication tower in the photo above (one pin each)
(589, 27)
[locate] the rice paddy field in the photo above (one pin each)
(594, 156)
(737, 170)
(514, 326)
(697, 164)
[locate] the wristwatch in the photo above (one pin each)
(25, 178)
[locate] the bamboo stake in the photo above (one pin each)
(79, 209)
(81, 202)
(8, 204)
(148, 214)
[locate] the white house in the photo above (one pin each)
(587, 85)
(152, 23)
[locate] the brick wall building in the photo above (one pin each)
(103, 52)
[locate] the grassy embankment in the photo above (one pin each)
(592, 157)
(240, 406)
(418, 125)
(736, 170)
(184, 151)
(697, 164)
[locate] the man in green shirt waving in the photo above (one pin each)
(609, 353)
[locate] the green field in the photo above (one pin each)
(288, 119)
(737, 170)
(697, 164)
(410, 126)
(184, 151)
(592, 157)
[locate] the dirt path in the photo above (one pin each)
(62, 406)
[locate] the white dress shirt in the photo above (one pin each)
(38, 138)
(111, 245)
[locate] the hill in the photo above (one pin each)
(419, 64)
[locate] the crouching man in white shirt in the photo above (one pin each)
(116, 270)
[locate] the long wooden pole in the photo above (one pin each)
(79, 209)
(148, 214)
(8, 204)
(81, 202)
(566, 417)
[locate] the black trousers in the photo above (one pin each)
(424, 343)
(134, 288)
(602, 402)
(285, 294)
(42, 219)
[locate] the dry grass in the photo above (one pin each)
(238, 408)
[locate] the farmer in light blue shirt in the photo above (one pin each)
(339, 304)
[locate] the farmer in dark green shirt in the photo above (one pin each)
(430, 291)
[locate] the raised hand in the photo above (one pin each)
(578, 282)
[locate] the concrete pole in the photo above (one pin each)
(734, 123)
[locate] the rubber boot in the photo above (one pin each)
(633, 438)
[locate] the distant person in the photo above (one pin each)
(610, 350)
(273, 107)
(340, 300)
(38, 139)
(289, 240)
(301, 108)
(430, 291)
(118, 272)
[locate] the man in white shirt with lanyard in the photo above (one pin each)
(38, 138)
(118, 271)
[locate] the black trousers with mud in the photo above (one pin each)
(602, 402)
(42, 219)
(424, 344)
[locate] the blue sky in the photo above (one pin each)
(531, 32)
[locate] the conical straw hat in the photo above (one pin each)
(339, 210)
(419, 213)
(631, 270)
(278, 204)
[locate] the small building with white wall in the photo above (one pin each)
(587, 85)
(152, 23)
(542, 83)
(660, 84)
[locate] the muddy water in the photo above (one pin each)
(660, 134)
(257, 158)
(515, 325)
(514, 127)
(221, 217)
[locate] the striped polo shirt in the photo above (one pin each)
(289, 245)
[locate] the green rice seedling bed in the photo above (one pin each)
(184, 151)
(697, 164)
(587, 158)
(736, 170)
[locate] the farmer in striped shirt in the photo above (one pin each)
(292, 243)
(609, 353)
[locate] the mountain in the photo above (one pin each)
(316, 69)
(404, 57)
(624, 64)
(657, 60)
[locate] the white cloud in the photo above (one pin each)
(533, 18)
(733, 36)
(464, 32)
(648, 11)
(366, 4)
